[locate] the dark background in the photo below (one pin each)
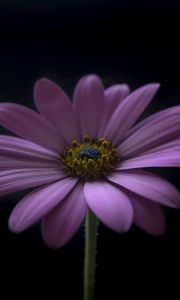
(122, 41)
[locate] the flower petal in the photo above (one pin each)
(18, 148)
(148, 215)
(155, 130)
(147, 185)
(110, 205)
(29, 125)
(8, 162)
(129, 111)
(166, 155)
(113, 97)
(158, 159)
(38, 203)
(63, 221)
(89, 104)
(52, 102)
(19, 179)
(115, 94)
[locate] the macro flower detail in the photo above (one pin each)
(90, 159)
(89, 153)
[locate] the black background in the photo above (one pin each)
(122, 41)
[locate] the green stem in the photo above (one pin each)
(90, 255)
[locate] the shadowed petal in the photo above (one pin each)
(155, 130)
(89, 104)
(110, 205)
(9, 162)
(129, 111)
(63, 221)
(115, 94)
(147, 185)
(148, 215)
(113, 97)
(52, 102)
(29, 125)
(19, 179)
(38, 203)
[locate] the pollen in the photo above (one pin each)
(91, 159)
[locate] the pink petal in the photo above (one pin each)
(147, 185)
(113, 97)
(17, 162)
(19, 179)
(52, 102)
(63, 221)
(166, 155)
(115, 94)
(89, 104)
(129, 111)
(110, 205)
(155, 130)
(173, 145)
(29, 125)
(148, 215)
(18, 148)
(158, 159)
(38, 203)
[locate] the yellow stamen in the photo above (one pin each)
(90, 160)
(86, 138)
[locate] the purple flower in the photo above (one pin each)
(86, 154)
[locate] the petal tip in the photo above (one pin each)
(12, 225)
(50, 243)
(43, 82)
(91, 79)
(155, 85)
(160, 231)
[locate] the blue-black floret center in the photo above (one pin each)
(89, 152)
(91, 159)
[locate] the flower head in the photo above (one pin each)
(88, 154)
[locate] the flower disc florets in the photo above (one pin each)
(91, 159)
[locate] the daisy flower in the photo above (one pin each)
(88, 154)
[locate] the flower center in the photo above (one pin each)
(91, 159)
(88, 152)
